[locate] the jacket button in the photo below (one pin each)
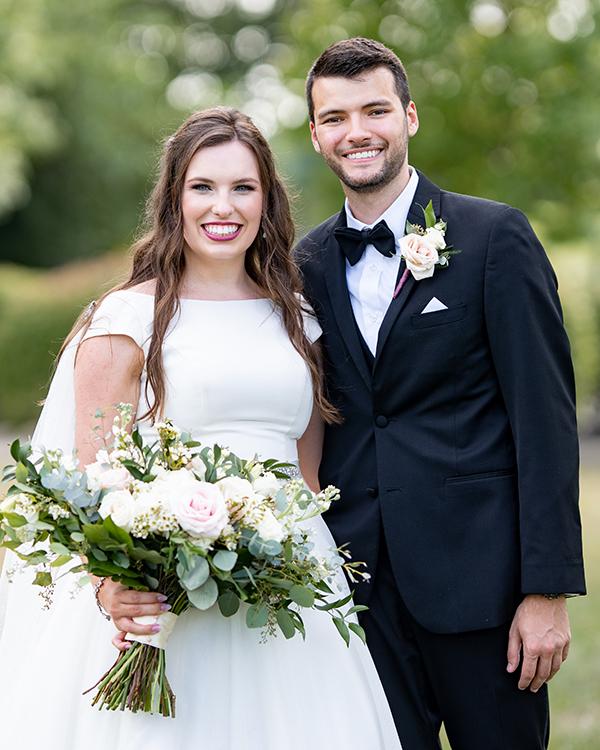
(381, 421)
(372, 492)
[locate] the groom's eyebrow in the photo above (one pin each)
(375, 103)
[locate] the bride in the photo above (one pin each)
(209, 330)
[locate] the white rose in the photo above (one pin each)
(120, 506)
(235, 489)
(199, 507)
(267, 484)
(269, 528)
(419, 255)
(102, 477)
(435, 238)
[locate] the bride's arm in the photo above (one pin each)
(310, 448)
(107, 372)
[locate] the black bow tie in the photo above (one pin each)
(354, 241)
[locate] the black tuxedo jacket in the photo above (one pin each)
(460, 441)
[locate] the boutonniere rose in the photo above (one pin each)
(424, 248)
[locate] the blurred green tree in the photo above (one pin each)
(508, 94)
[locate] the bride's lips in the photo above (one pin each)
(222, 231)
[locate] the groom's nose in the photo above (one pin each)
(358, 131)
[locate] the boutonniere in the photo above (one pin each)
(424, 248)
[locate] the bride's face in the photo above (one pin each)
(221, 202)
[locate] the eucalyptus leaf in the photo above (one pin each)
(205, 596)
(302, 595)
(196, 575)
(286, 623)
(357, 608)
(342, 629)
(357, 630)
(257, 615)
(225, 559)
(229, 603)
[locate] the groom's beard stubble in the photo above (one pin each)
(393, 161)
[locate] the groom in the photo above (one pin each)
(457, 456)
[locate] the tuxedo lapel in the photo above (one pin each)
(426, 191)
(335, 277)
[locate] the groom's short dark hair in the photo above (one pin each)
(351, 57)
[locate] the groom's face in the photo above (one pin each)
(361, 128)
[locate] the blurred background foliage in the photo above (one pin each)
(508, 95)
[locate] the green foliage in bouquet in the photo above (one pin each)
(200, 525)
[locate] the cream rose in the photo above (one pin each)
(235, 489)
(419, 254)
(200, 510)
(120, 506)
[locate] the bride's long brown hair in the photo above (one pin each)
(159, 253)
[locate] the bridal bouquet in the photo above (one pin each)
(200, 525)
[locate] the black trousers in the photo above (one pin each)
(458, 679)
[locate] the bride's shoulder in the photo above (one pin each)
(145, 287)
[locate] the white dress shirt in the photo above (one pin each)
(371, 282)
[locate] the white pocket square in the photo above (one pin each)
(433, 306)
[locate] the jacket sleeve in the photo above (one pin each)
(531, 356)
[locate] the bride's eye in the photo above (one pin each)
(244, 188)
(200, 187)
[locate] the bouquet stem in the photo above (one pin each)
(137, 681)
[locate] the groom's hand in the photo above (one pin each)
(540, 629)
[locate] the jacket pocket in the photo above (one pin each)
(466, 478)
(439, 317)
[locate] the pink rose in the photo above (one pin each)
(201, 510)
(419, 254)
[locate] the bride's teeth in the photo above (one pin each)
(363, 154)
(221, 228)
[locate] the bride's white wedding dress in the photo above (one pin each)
(233, 378)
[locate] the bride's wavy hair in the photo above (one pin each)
(159, 252)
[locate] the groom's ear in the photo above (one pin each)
(313, 138)
(412, 119)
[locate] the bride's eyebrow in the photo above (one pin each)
(240, 181)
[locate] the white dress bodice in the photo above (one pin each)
(232, 375)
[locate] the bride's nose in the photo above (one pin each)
(222, 206)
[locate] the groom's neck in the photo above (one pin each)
(368, 206)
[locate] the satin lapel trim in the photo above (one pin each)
(335, 278)
(426, 191)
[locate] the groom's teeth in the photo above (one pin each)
(363, 154)
(222, 229)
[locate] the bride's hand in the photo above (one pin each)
(123, 604)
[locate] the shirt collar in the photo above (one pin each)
(395, 216)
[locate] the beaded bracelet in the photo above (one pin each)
(97, 587)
